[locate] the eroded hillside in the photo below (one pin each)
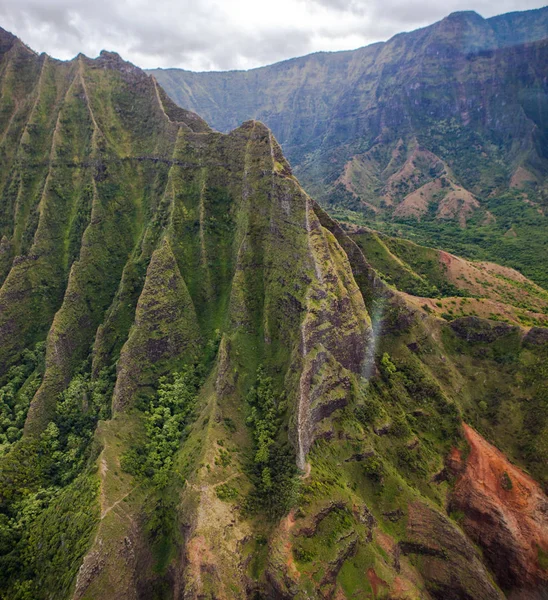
(208, 391)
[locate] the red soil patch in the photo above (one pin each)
(500, 291)
(522, 177)
(416, 203)
(506, 512)
(385, 541)
(457, 204)
(200, 559)
(483, 308)
(375, 581)
(446, 258)
(454, 460)
(286, 526)
(402, 588)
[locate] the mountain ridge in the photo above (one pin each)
(469, 91)
(210, 388)
(518, 15)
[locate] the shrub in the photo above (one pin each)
(400, 427)
(388, 368)
(506, 482)
(374, 468)
(226, 492)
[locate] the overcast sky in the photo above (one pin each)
(217, 34)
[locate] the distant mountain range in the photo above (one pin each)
(431, 132)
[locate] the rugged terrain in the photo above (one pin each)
(439, 135)
(211, 389)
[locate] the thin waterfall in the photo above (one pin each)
(373, 339)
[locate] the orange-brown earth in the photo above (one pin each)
(375, 581)
(505, 512)
(498, 292)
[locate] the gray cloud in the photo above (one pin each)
(212, 34)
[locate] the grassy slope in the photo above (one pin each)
(450, 286)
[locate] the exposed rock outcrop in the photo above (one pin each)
(506, 513)
(474, 329)
(536, 336)
(451, 566)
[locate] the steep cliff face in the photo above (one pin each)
(440, 129)
(306, 99)
(506, 513)
(207, 391)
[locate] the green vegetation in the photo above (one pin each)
(43, 542)
(388, 368)
(374, 469)
(226, 492)
(45, 531)
(22, 381)
(506, 482)
(411, 268)
(509, 407)
(65, 442)
(509, 228)
(341, 162)
(273, 469)
(481, 239)
(165, 420)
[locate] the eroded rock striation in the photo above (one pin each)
(505, 513)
